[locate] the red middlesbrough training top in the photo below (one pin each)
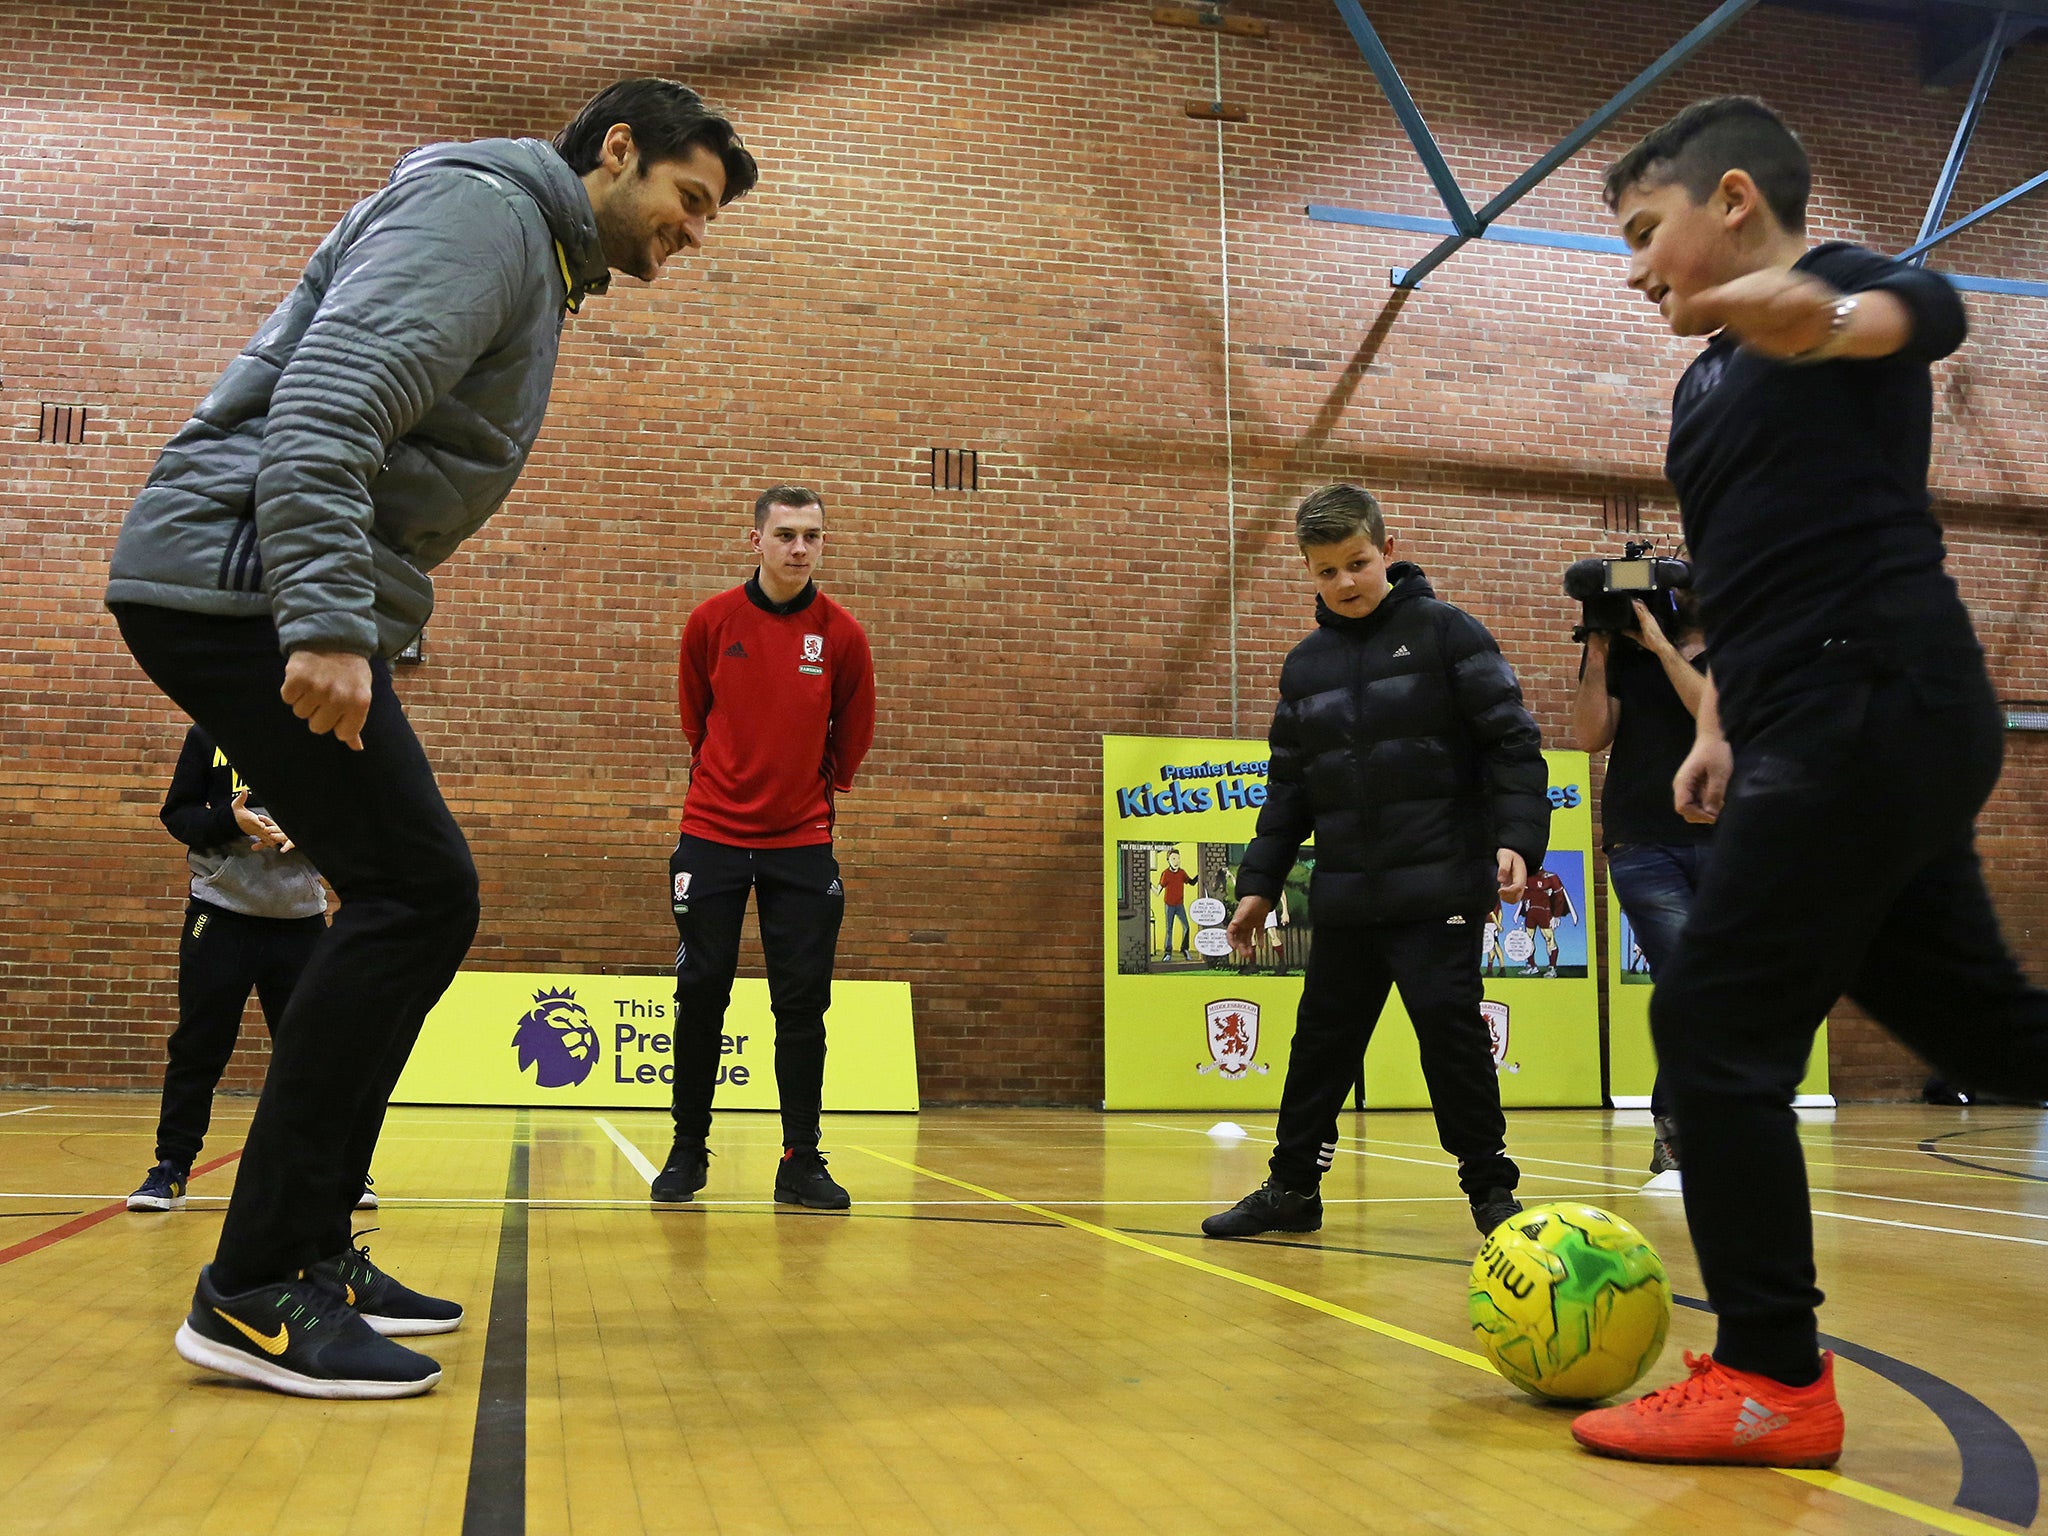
(779, 707)
(1174, 882)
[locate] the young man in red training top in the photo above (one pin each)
(778, 701)
(1173, 885)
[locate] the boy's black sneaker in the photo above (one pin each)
(298, 1337)
(1492, 1208)
(163, 1189)
(801, 1179)
(687, 1169)
(394, 1310)
(1272, 1207)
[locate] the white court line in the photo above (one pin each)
(1083, 1202)
(31, 1110)
(633, 1154)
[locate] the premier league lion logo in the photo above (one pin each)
(556, 1039)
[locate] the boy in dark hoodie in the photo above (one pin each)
(1402, 745)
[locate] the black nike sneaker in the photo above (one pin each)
(1492, 1208)
(685, 1172)
(801, 1179)
(300, 1337)
(394, 1310)
(1272, 1207)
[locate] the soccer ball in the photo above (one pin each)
(1569, 1302)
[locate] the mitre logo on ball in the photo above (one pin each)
(1233, 1038)
(1496, 1016)
(555, 1038)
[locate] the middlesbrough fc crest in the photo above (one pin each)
(1496, 1016)
(1233, 1038)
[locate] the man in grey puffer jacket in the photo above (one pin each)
(278, 555)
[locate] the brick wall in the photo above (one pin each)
(981, 225)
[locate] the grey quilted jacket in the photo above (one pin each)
(381, 414)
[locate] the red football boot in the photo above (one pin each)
(1722, 1415)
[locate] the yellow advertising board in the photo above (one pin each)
(603, 1042)
(1631, 1058)
(1187, 1025)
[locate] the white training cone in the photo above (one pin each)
(1228, 1130)
(1666, 1183)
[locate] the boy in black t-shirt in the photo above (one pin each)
(1848, 698)
(1640, 694)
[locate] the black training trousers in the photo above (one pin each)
(1843, 864)
(375, 826)
(1350, 971)
(222, 955)
(800, 904)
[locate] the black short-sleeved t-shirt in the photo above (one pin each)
(1803, 490)
(1652, 733)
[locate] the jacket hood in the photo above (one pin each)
(533, 166)
(1405, 582)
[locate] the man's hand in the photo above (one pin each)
(330, 691)
(1512, 875)
(1649, 633)
(1700, 787)
(1245, 924)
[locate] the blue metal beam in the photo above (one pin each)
(1912, 252)
(1409, 114)
(1572, 240)
(1509, 234)
(1966, 130)
(1724, 16)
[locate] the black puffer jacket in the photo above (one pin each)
(1402, 744)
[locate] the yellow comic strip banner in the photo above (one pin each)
(544, 1037)
(1188, 1025)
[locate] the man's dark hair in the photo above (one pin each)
(1337, 513)
(667, 120)
(785, 496)
(1708, 140)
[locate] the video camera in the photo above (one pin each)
(1607, 589)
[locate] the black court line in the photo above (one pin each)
(495, 1504)
(1930, 1143)
(2000, 1478)
(4, 1215)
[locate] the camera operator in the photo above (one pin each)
(1640, 692)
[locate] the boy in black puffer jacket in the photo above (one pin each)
(1401, 743)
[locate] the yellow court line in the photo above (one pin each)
(1827, 1482)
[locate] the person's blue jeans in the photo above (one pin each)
(1173, 912)
(1655, 884)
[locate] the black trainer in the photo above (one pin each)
(687, 1169)
(163, 1189)
(394, 1310)
(1272, 1207)
(1492, 1208)
(298, 1337)
(801, 1179)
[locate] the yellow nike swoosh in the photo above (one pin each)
(264, 1342)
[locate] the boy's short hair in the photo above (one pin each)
(785, 496)
(1708, 140)
(1339, 512)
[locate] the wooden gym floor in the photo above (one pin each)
(1013, 1330)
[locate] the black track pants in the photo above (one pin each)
(375, 826)
(222, 956)
(1843, 864)
(800, 903)
(1350, 972)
